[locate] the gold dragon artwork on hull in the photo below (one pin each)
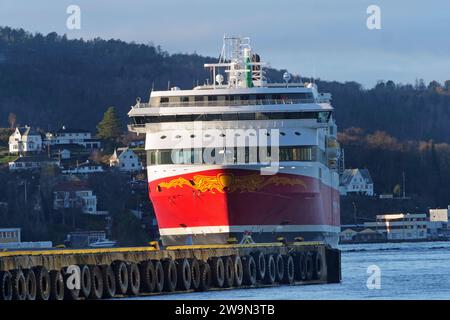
(231, 183)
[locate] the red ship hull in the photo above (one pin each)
(207, 207)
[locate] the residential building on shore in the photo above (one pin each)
(25, 140)
(35, 162)
(75, 194)
(126, 160)
(356, 181)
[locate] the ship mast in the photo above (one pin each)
(244, 69)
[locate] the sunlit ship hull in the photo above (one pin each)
(210, 206)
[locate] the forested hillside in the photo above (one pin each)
(47, 81)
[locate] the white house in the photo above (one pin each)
(401, 226)
(125, 159)
(75, 194)
(25, 140)
(66, 136)
(32, 163)
(84, 168)
(356, 181)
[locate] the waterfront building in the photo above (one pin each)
(400, 226)
(356, 181)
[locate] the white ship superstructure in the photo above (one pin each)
(210, 175)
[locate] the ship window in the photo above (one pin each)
(164, 99)
(184, 117)
(213, 117)
(174, 99)
(184, 99)
(163, 137)
(246, 116)
(229, 116)
(199, 98)
(212, 98)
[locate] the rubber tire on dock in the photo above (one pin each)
(56, 285)
(249, 270)
(134, 279)
(109, 282)
(261, 265)
(70, 294)
(184, 274)
(271, 270)
(300, 266)
(170, 275)
(159, 276)
(19, 288)
(318, 265)
(279, 262)
(85, 281)
(30, 281)
(309, 266)
(121, 276)
(147, 270)
(96, 283)
(238, 271)
(5, 285)
(42, 283)
(195, 273)
(229, 272)
(217, 272)
(289, 269)
(205, 277)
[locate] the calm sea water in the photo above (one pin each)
(408, 271)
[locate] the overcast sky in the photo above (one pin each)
(326, 38)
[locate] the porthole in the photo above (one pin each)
(163, 137)
(297, 133)
(192, 135)
(178, 136)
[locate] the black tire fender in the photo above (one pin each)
(5, 285)
(238, 270)
(184, 274)
(279, 262)
(148, 281)
(134, 279)
(229, 272)
(109, 282)
(170, 275)
(217, 271)
(96, 283)
(271, 270)
(56, 285)
(205, 277)
(195, 273)
(159, 276)
(19, 287)
(42, 283)
(30, 280)
(261, 265)
(121, 276)
(250, 270)
(289, 269)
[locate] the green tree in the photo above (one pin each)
(110, 128)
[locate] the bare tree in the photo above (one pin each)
(12, 119)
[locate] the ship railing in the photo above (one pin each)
(228, 103)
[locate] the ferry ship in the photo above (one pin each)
(240, 158)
